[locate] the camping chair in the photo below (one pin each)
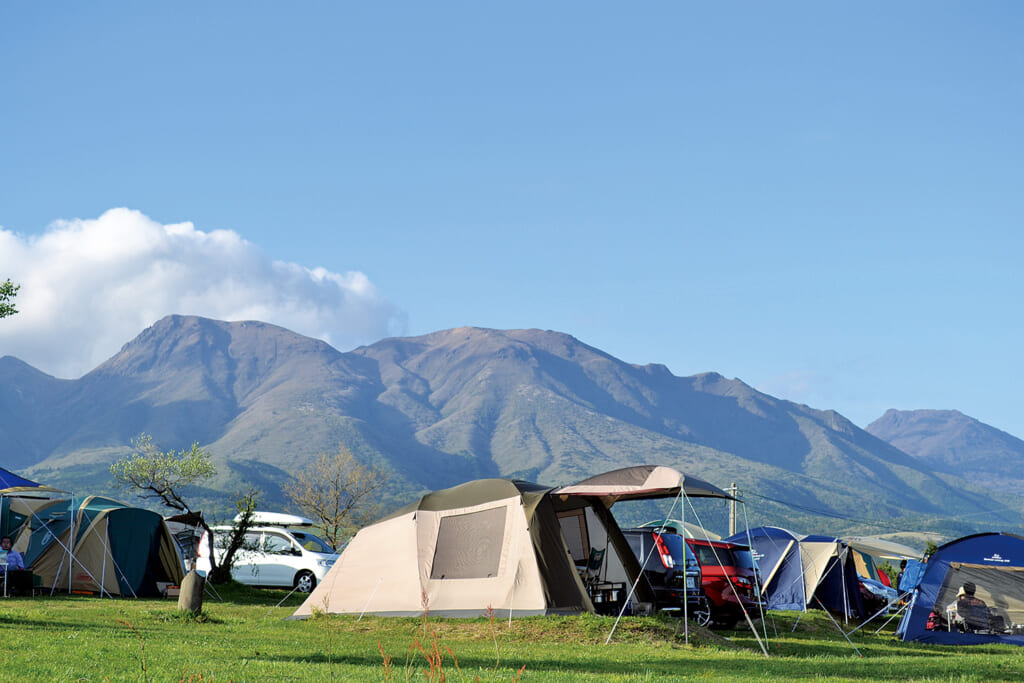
(592, 573)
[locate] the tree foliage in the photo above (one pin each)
(336, 492)
(8, 290)
(163, 476)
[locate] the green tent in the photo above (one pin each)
(99, 545)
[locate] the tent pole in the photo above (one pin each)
(643, 563)
(859, 653)
(750, 623)
(85, 569)
(846, 589)
(879, 612)
(71, 543)
(67, 548)
(896, 614)
(686, 588)
(103, 571)
(757, 575)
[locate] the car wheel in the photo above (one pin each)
(702, 615)
(305, 582)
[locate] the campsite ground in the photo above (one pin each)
(246, 638)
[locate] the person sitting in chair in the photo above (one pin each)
(14, 558)
(972, 610)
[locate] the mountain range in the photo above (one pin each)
(466, 403)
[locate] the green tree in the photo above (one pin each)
(164, 476)
(335, 491)
(8, 290)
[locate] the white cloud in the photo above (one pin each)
(90, 286)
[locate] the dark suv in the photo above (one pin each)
(729, 581)
(670, 567)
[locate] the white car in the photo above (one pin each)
(274, 553)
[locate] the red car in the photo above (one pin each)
(728, 581)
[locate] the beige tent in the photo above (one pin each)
(513, 547)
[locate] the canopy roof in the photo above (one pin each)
(10, 480)
(642, 482)
(12, 484)
(880, 547)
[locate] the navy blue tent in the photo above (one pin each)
(801, 571)
(776, 552)
(10, 480)
(988, 566)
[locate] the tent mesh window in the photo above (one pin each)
(469, 545)
(1000, 588)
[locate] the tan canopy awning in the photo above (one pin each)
(642, 482)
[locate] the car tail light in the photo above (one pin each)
(744, 585)
(664, 552)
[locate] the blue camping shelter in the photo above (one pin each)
(800, 571)
(994, 563)
(10, 480)
(18, 497)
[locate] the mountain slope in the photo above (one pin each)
(456, 405)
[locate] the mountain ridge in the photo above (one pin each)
(460, 404)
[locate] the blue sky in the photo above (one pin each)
(820, 199)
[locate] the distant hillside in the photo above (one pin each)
(949, 441)
(462, 404)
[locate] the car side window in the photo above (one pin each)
(276, 544)
(706, 556)
(251, 541)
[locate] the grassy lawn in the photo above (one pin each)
(246, 638)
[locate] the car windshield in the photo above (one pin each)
(312, 543)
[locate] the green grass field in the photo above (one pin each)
(245, 637)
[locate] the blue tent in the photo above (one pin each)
(994, 564)
(10, 480)
(800, 571)
(18, 496)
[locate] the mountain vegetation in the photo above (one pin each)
(466, 403)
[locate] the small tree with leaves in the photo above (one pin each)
(336, 492)
(163, 476)
(8, 290)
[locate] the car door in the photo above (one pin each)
(246, 565)
(277, 564)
